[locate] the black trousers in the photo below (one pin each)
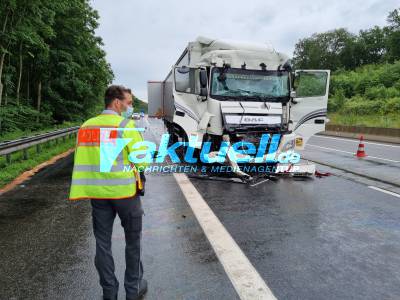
(130, 212)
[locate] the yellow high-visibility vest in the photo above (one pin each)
(121, 179)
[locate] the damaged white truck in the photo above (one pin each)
(225, 91)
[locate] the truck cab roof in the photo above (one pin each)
(206, 51)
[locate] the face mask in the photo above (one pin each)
(128, 113)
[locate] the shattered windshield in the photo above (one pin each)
(249, 84)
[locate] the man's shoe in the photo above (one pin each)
(111, 298)
(142, 290)
(142, 287)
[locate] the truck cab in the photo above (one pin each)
(224, 90)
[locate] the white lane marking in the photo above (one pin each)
(354, 141)
(384, 191)
(259, 182)
(147, 122)
(369, 156)
(244, 277)
(308, 144)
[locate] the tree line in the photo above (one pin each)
(365, 82)
(341, 49)
(52, 67)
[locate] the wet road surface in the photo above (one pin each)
(328, 238)
(379, 151)
(382, 162)
(47, 244)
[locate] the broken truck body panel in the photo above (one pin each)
(220, 89)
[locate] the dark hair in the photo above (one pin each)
(113, 92)
(129, 91)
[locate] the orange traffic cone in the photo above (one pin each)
(360, 151)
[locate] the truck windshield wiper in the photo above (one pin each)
(243, 91)
(257, 97)
(266, 98)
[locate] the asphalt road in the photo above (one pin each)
(378, 151)
(336, 237)
(382, 162)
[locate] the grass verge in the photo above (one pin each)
(8, 172)
(387, 121)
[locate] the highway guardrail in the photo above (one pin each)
(9, 147)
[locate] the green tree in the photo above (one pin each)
(333, 50)
(393, 35)
(340, 49)
(52, 67)
(371, 46)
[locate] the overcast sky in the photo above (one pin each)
(144, 38)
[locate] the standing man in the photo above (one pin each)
(112, 188)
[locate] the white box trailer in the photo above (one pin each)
(155, 92)
(222, 90)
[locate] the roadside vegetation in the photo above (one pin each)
(52, 67)
(369, 95)
(139, 105)
(53, 73)
(19, 133)
(18, 165)
(388, 121)
(365, 80)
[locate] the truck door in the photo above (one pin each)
(308, 108)
(190, 95)
(188, 102)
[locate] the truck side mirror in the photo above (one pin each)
(203, 78)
